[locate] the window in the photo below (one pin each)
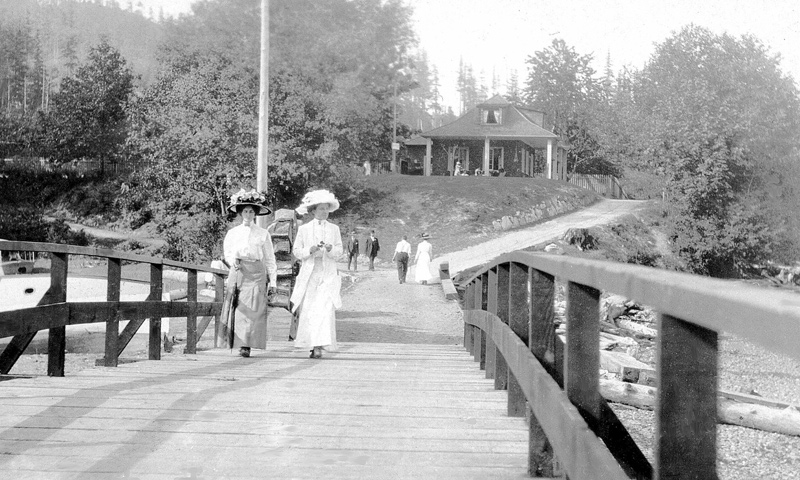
(495, 158)
(493, 116)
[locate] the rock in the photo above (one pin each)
(581, 238)
(553, 248)
(612, 307)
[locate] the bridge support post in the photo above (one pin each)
(57, 337)
(482, 302)
(582, 354)
(156, 290)
(686, 412)
(498, 305)
(191, 317)
(518, 317)
(111, 355)
(541, 461)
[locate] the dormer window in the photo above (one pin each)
(492, 116)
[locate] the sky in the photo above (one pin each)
(497, 36)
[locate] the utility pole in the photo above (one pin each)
(262, 182)
(393, 166)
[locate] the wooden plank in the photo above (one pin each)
(443, 419)
(111, 355)
(57, 336)
(686, 412)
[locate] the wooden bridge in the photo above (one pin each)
(379, 410)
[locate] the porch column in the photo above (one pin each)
(426, 166)
(549, 158)
(486, 156)
(564, 164)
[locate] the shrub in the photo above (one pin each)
(23, 224)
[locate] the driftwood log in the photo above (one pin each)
(760, 417)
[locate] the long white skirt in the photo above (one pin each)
(317, 316)
(423, 268)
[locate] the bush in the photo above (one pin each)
(193, 239)
(23, 224)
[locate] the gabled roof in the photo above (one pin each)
(518, 123)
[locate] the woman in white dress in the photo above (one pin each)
(249, 253)
(316, 294)
(423, 260)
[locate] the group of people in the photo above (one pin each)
(316, 296)
(422, 259)
(250, 255)
(371, 250)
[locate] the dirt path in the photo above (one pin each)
(604, 212)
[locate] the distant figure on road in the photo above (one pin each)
(457, 171)
(352, 251)
(423, 260)
(373, 247)
(317, 291)
(367, 167)
(254, 272)
(401, 253)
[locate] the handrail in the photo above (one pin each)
(54, 312)
(102, 252)
(509, 328)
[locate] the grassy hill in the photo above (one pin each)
(457, 211)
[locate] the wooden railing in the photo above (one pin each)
(54, 313)
(509, 328)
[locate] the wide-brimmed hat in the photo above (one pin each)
(425, 236)
(315, 197)
(252, 198)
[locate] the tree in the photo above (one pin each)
(88, 114)
(724, 128)
(561, 83)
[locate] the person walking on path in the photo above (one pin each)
(422, 260)
(401, 253)
(352, 251)
(317, 291)
(373, 247)
(254, 272)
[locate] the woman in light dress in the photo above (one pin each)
(249, 253)
(316, 294)
(422, 260)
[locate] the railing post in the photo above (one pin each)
(156, 290)
(191, 317)
(219, 294)
(582, 352)
(57, 337)
(541, 462)
(498, 295)
(686, 411)
(469, 304)
(518, 316)
(113, 287)
(490, 348)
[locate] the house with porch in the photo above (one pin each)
(495, 137)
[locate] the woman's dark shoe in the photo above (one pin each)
(244, 351)
(316, 353)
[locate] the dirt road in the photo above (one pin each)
(603, 212)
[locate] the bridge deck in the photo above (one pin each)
(367, 411)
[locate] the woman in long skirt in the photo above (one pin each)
(316, 294)
(423, 261)
(249, 252)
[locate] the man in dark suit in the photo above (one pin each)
(352, 251)
(373, 247)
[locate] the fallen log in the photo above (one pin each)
(760, 417)
(636, 328)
